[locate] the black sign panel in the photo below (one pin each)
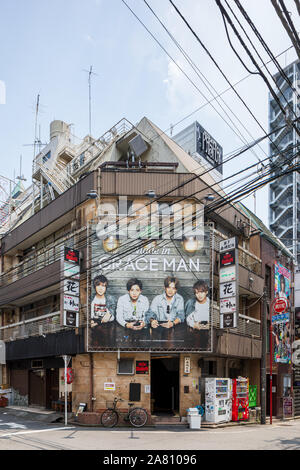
(72, 256)
(70, 318)
(228, 321)
(142, 367)
(208, 148)
(227, 258)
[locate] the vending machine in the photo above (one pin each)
(218, 400)
(240, 399)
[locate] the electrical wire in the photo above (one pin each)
(236, 195)
(206, 83)
(216, 64)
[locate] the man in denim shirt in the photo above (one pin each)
(167, 310)
(132, 307)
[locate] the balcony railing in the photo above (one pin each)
(250, 261)
(50, 323)
(40, 259)
(38, 326)
(247, 326)
(117, 131)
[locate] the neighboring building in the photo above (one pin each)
(118, 174)
(277, 259)
(204, 149)
(284, 192)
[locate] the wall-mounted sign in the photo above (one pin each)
(70, 255)
(187, 365)
(228, 279)
(71, 303)
(227, 320)
(281, 315)
(71, 287)
(70, 318)
(228, 244)
(228, 274)
(228, 305)
(109, 386)
(227, 289)
(142, 367)
(227, 258)
(71, 270)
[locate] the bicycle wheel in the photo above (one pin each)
(138, 417)
(109, 418)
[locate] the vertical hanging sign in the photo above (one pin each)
(228, 275)
(70, 287)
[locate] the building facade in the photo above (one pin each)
(284, 190)
(114, 179)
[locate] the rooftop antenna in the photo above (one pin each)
(90, 72)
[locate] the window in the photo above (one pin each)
(46, 157)
(125, 366)
(81, 159)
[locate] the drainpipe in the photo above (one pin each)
(91, 406)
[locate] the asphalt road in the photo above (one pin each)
(22, 434)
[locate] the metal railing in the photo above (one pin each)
(246, 326)
(39, 326)
(117, 131)
(40, 259)
(250, 261)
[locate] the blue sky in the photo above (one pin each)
(45, 45)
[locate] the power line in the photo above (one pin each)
(205, 81)
(216, 64)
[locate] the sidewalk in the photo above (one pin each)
(35, 413)
(40, 414)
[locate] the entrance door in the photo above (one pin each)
(37, 387)
(52, 387)
(165, 384)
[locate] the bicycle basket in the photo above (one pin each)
(109, 404)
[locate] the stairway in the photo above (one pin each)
(57, 176)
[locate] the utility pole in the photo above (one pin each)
(263, 370)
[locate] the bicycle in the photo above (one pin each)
(136, 416)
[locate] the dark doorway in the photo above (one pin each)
(52, 387)
(37, 387)
(274, 395)
(165, 385)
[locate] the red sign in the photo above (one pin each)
(142, 367)
(280, 305)
(227, 258)
(71, 255)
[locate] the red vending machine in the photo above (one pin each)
(240, 399)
